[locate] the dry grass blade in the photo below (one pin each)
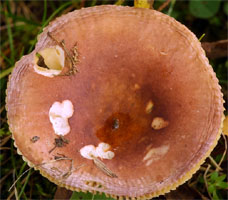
(1, 109)
(5, 140)
(205, 179)
(213, 162)
(225, 151)
(19, 178)
(36, 166)
(5, 148)
(51, 161)
(204, 169)
(104, 168)
(13, 192)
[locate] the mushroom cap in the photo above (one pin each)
(128, 58)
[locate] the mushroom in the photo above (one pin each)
(88, 127)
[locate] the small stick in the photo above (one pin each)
(165, 4)
(52, 149)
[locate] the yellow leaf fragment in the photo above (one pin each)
(225, 126)
(143, 3)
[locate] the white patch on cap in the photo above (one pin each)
(155, 154)
(53, 58)
(102, 151)
(59, 114)
(159, 123)
(88, 151)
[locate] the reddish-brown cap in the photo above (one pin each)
(144, 90)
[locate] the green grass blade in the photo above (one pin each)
(12, 156)
(26, 182)
(10, 36)
(45, 12)
(93, 3)
(171, 7)
(22, 52)
(201, 37)
(6, 72)
(119, 2)
(7, 59)
(22, 168)
(57, 11)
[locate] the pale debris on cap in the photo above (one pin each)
(159, 123)
(59, 114)
(90, 151)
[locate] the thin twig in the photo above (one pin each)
(151, 4)
(165, 4)
(70, 8)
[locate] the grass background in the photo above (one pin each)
(22, 21)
